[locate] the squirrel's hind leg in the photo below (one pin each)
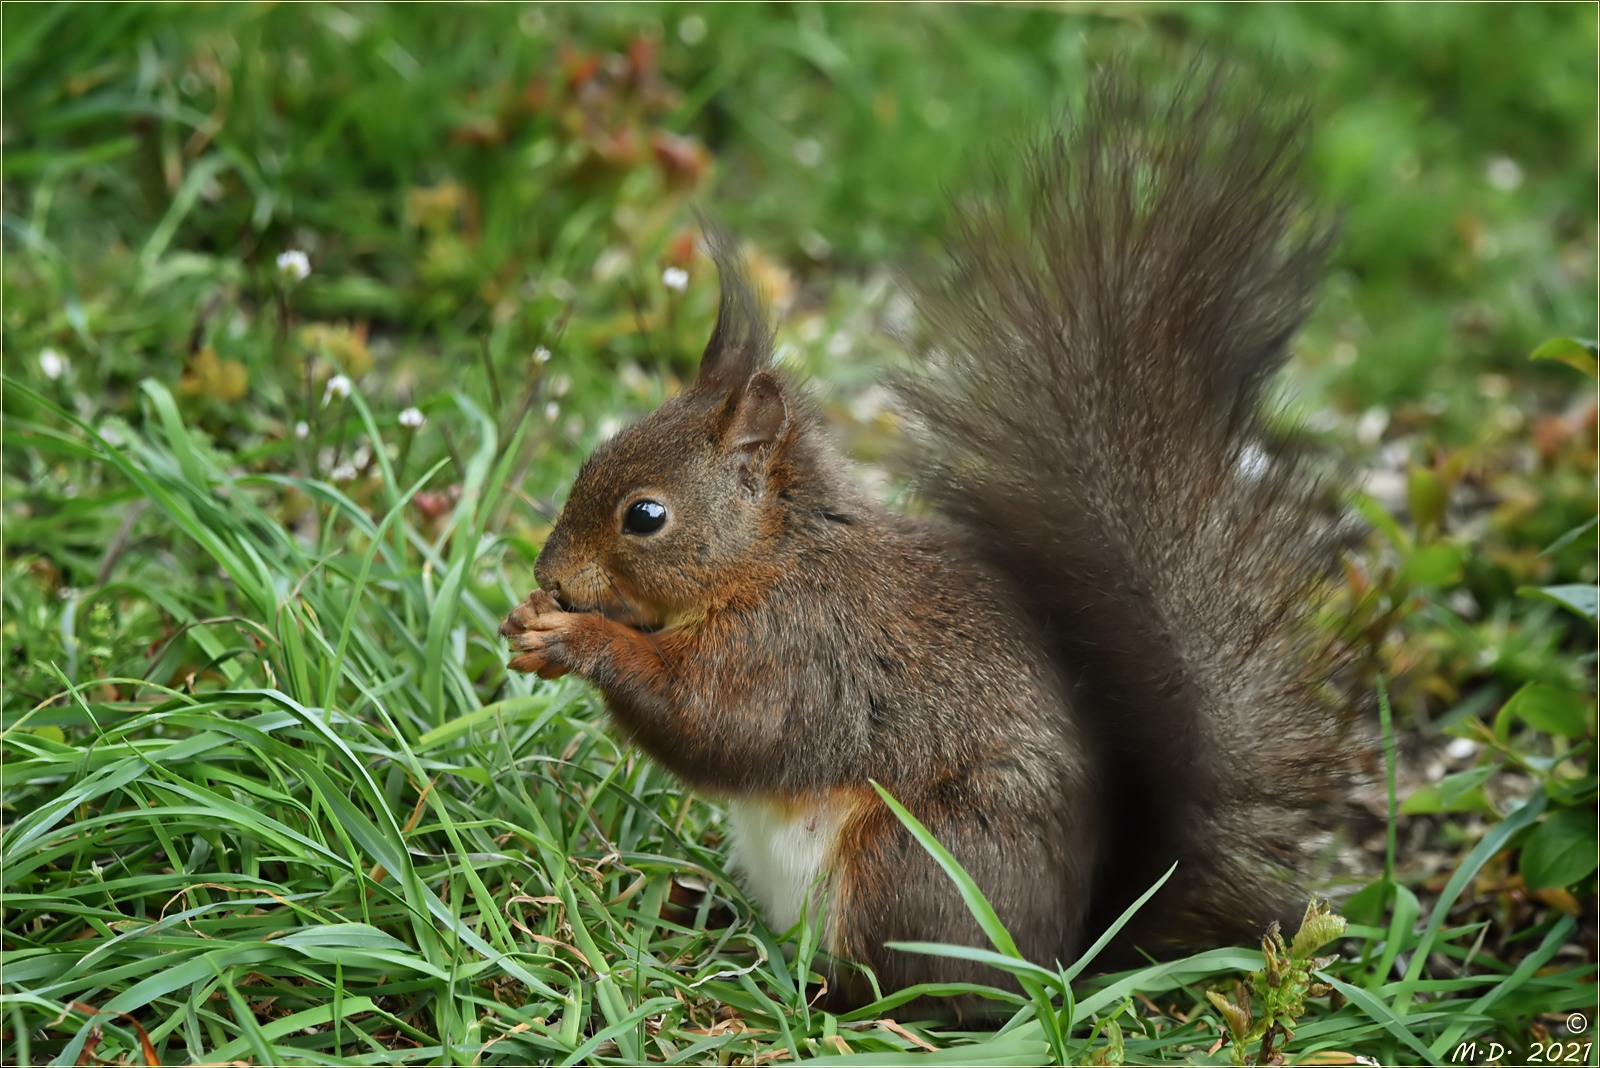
(886, 887)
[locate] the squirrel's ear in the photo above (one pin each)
(741, 343)
(755, 419)
(761, 415)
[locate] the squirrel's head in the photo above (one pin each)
(676, 513)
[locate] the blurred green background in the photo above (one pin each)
(445, 168)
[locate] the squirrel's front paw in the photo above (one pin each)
(536, 629)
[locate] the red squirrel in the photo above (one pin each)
(1093, 660)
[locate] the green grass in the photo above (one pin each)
(269, 794)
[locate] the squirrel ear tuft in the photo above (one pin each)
(741, 343)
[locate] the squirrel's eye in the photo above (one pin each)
(644, 517)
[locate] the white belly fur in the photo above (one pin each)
(782, 853)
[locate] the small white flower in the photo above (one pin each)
(807, 152)
(345, 472)
(302, 430)
(1370, 427)
(53, 364)
(675, 279)
(1504, 174)
(338, 386)
(633, 378)
(412, 418)
(294, 266)
(610, 426)
(552, 411)
(541, 355)
(692, 30)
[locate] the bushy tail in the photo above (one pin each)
(1105, 326)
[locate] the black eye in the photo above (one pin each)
(644, 517)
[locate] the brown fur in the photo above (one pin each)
(1097, 662)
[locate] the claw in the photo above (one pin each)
(526, 662)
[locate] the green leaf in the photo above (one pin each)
(1088, 955)
(1437, 565)
(1001, 1049)
(1552, 709)
(1037, 989)
(981, 910)
(1574, 352)
(981, 956)
(1382, 1014)
(1406, 910)
(886, 1005)
(1569, 537)
(1526, 969)
(510, 710)
(1429, 497)
(1376, 514)
(297, 1023)
(1170, 975)
(1462, 792)
(1561, 850)
(1369, 904)
(1584, 600)
(1489, 845)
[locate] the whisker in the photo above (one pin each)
(533, 505)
